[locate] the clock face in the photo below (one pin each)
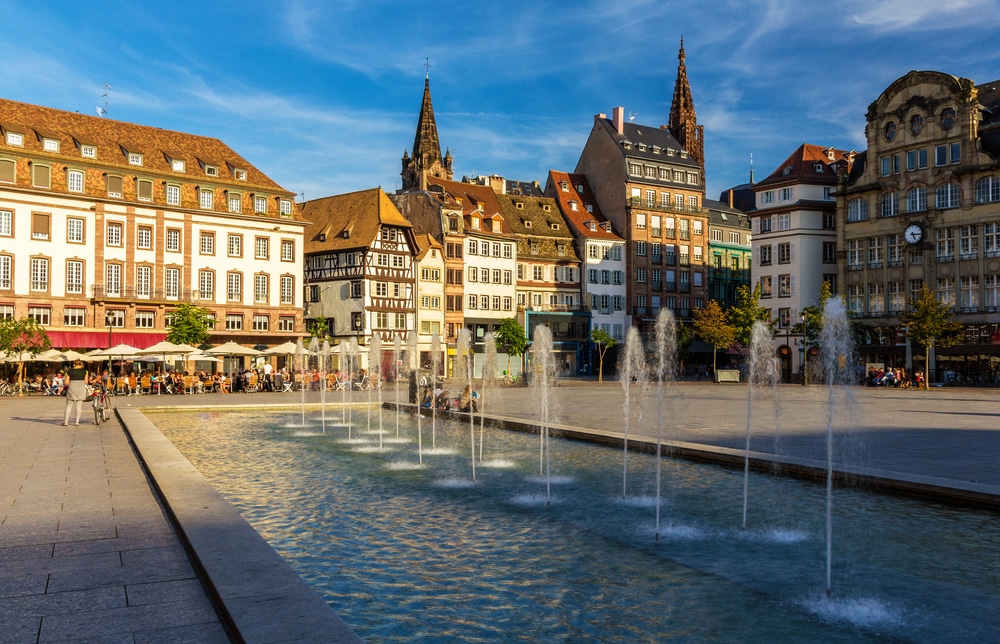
(913, 234)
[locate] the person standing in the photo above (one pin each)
(76, 382)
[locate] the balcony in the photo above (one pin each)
(657, 286)
(639, 202)
(670, 286)
(100, 292)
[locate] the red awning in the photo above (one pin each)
(99, 339)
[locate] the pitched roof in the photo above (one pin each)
(471, 198)
(648, 142)
(538, 221)
(578, 219)
(810, 164)
(349, 221)
(424, 244)
(114, 141)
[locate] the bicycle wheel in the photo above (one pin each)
(106, 411)
(98, 415)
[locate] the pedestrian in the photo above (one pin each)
(76, 382)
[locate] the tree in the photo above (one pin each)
(190, 325)
(811, 326)
(745, 312)
(604, 341)
(712, 326)
(929, 323)
(20, 336)
(319, 328)
(511, 338)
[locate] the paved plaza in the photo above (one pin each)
(88, 550)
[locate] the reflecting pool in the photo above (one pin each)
(408, 552)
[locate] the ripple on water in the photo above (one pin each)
(498, 464)
(867, 612)
(454, 483)
(534, 500)
(404, 465)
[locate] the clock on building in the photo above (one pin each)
(913, 234)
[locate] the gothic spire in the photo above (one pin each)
(426, 157)
(683, 123)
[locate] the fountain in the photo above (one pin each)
(481, 562)
(489, 376)
(435, 367)
(374, 380)
(632, 368)
(300, 358)
(543, 373)
(413, 364)
(345, 376)
(324, 369)
(762, 375)
(397, 351)
(666, 357)
(463, 373)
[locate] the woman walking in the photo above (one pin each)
(76, 379)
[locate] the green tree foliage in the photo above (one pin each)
(811, 324)
(319, 328)
(745, 312)
(604, 341)
(511, 339)
(711, 324)
(22, 336)
(191, 325)
(929, 323)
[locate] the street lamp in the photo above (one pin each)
(109, 319)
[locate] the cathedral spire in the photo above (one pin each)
(683, 123)
(426, 159)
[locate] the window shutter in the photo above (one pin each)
(7, 170)
(791, 251)
(791, 284)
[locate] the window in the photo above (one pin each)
(73, 316)
(206, 285)
(855, 248)
(381, 289)
(234, 287)
(39, 274)
(74, 230)
(144, 238)
(114, 234)
(40, 314)
(234, 322)
(991, 239)
(640, 248)
(473, 274)
(945, 244)
(143, 278)
(5, 276)
(988, 190)
(538, 273)
(784, 221)
(765, 224)
(890, 205)
(261, 247)
(767, 197)
(968, 298)
(894, 250)
(6, 223)
(287, 250)
(946, 291)
(39, 226)
(206, 245)
(235, 246)
(766, 286)
(286, 323)
(473, 247)
(260, 205)
(173, 195)
(172, 282)
(357, 289)
(173, 240)
(206, 199)
(784, 286)
(235, 203)
(15, 138)
(41, 176)
(875, 252)
(968, 242)
(261, 322)
(260, 288)
(640, 275)
(857, 210)
(829, 252)
(113, 280)
(74, 276)
(285, 208)
(948, 196)
(765, 255)
(785, 194)
(114, 186)
(916, 200)
(74, 181)
(287, 289)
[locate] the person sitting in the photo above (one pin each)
(443, 400)
(467, 401)
(425, 401)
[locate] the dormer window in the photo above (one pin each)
(134, 158)
(554, 226)
(590, 207)
(818, 167)
(572, 205)
(496, 225)
(285, 208)
(546, 207)
(592, 225)
(475, 223)
(579, 187)
(50, 145)
(564, 186)
(670, 152)
(684, 154)
(178, 165)
(519, 205)
(527, 224)
(241, 175)
(15, 138)
(88, 151)
(211, 170)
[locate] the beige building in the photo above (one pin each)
(106, 226)
(922, 207)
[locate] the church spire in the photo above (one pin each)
(683, 123)
(426, 159)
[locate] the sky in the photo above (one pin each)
(323, 96)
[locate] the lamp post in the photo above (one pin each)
(108, 320)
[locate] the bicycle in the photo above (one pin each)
(7, 389)
(102, 405)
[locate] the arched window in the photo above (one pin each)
(857, 210)
(948, 196)
(890, 205)
(988, 190)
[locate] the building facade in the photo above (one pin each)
(795, 242)
(730, 251)
(106, 226)
(359, 266)
(922, 208)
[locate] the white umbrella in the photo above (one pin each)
(163, 348)
(71, 355)
(233, 349)
(282, 349)
(52, 355)
(119, 350)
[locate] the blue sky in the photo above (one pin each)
(323, 96)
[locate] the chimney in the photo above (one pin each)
(730, 197)
(618, 119)
(599, 117)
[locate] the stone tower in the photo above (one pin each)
(683, 124)
(426, 159)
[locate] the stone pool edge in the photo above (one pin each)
(258, 594)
